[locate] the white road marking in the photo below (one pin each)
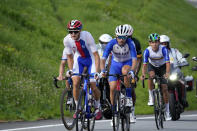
(47, 126)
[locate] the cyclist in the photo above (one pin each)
(156, 57)
(81, 44)
(138, 66)
(175, 58)
(106, 110)
(124, 60)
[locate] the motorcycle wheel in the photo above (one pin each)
(173, 108)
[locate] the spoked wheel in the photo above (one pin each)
(81, 121)
(91, 115)
(125, 122)
(116, 111)
(157, 108)
(67, 108)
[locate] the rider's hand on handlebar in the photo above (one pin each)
(60, 77)
(131, 74)
(167, 75)
(69, 73)
(142, 77)
(96, 75)
(103, 73)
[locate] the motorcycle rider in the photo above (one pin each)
(176, 58)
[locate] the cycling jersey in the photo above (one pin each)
(64, 56)
(120, 53)
(157, 58)
(137, 47)
(101, 48)
(83, 50)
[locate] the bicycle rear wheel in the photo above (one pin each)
(67, 109)
(116, 111)
(157, 108)
(125, 122)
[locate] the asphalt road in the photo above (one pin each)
(187, 122)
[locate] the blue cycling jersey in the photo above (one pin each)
(157, 58)
(120, 53)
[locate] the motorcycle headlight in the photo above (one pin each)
(173, 77)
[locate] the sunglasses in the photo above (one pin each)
(75, 32)
(164, 43)
(122, 37)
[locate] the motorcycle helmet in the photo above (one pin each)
(165, 40)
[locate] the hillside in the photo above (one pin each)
(32, 32)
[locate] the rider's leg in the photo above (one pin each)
(96, 93)
(166, 100)
(76, 82)
(113, 85)
(150, 87)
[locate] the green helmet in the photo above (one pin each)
(154, 37)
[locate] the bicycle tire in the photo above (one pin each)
(91, 117)
(161, 110)
(67, 109)
(156, 108)
(80, 114)
(125, 122)
(116, 111)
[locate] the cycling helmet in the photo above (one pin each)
(74, 25)
(164, 38)
(105, 38)
(130, 32)
(153, 37)
(122, 30)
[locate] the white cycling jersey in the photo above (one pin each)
(82, 50)
(101, 49)
(157, 58)
(64, 56)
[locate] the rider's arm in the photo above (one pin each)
(145, 62)
(167, 59)
(180, 57)
(133, 54)
(106, 53)
(139, 57)
(61, 68)
(97, 61)
(70, 61)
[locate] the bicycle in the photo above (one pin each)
(105, 98)
(85, 108)
(67, 107)
(119, 108)
(159, 106)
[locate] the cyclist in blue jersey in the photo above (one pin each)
(124, 59)
(156, 58)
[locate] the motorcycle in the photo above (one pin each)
(175, 87)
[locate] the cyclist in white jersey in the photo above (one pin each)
(81, 44)
(156, 57)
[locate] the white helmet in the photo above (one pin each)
(105, 38)
(130, 32)
(164, 38)
(122, 30)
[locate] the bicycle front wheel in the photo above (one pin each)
(125, 122)
(116, 111)
(157, 108)
(67, 108)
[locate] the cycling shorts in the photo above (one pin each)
(116, 68)
(80, 63)
(159, 71)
